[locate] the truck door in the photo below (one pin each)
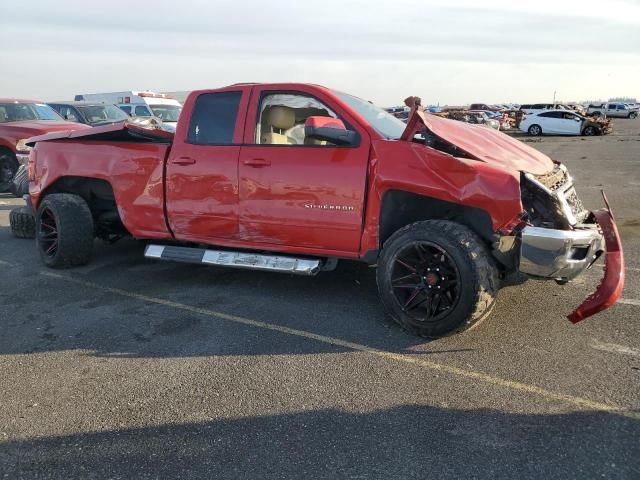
(299, 191)
(202, 168)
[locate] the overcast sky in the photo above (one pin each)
(454, 51)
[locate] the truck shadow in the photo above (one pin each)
(44, 313)
(404, 442)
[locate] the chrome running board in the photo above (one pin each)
(223, 258)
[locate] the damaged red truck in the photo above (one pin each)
(292, 177)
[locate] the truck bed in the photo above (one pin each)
(127, 158)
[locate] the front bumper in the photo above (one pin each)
(564, 254)
(559, 254)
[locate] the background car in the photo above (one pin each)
(558, 122)
(20, 120)
(89, 113)
(613, 109)
(485, 107)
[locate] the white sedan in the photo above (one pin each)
(558, 122)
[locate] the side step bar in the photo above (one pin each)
(253, 261)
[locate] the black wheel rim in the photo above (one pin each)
(425, 282)
(48, 233)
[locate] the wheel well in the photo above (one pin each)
(99, 196)
(4, 149)
(403, 208)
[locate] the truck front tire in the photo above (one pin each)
(436, 278)
(64, 230)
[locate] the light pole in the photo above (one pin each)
(554, 98)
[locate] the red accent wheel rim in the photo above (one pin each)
(48, 233)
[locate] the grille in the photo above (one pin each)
(575, 204)
(559, 205)
(555, 179)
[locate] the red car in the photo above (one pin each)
(292, 177)
(20, 120)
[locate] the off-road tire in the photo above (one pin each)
(535, 130)
(74, 226)
(478, 275)
(8, 167)
(22, 223)
(20, 183)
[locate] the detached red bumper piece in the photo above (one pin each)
(612, 283)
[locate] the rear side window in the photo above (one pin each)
(551, 115)
(213, 120)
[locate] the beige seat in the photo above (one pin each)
(279, 120)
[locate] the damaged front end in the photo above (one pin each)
(562, 239)
(556, 237)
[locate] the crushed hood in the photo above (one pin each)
(122, 131)
(482, 143)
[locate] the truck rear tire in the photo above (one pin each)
(64, 230)
(436, 278)
(22, 223)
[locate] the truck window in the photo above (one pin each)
(213, 120)
(283, 116)
(125, 108)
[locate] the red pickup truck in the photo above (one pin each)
(291, 177)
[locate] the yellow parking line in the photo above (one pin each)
(460, 372)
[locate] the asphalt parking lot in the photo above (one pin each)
(129, 368)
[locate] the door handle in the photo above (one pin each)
(184, 161)
(257, 162)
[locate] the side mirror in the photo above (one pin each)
(329, 129)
